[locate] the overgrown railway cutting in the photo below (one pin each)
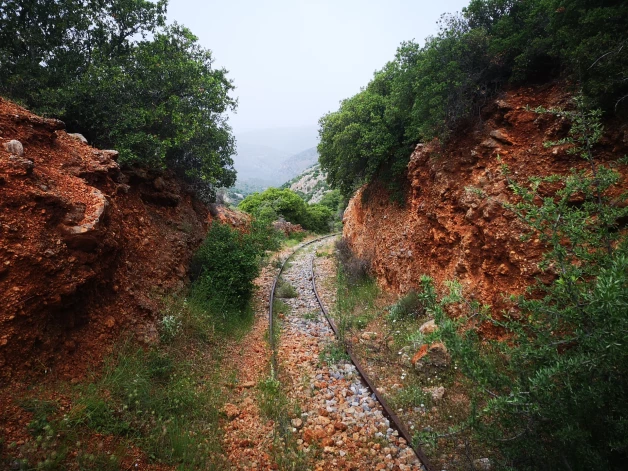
(361, 393)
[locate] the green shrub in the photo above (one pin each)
(407, 306)
(273, 202)
(318, 218)
(552, 393)
(125, 79)
(286, 290)
(226, 264)
(428, 91)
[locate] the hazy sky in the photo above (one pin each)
(292, 61)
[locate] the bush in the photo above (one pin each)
(408, 306)
(117, 73)
(273, 202)
(355, 269)
(286, 290)
(318, 218)
(226, 264)
(552, 393)
(427, 92)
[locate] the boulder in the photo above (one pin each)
(22, 164)
(431, 359)
(78, 137)
(14, 147)
(428, 327)
(501, 136)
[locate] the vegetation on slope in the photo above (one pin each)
(116, 73)
(273, 202)
(553, 396)
(425, 92)
(159, 403)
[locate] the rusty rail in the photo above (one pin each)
(387, 409)
(388, 412)
(271, 326)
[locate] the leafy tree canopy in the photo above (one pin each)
(274, 202)
(91, 63)
(425, 92)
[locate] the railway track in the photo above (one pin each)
(386, 409)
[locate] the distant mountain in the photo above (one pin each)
(273, 156)
(299, 162)
(260, 163)
(311, 184)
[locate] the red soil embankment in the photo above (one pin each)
(446, 230)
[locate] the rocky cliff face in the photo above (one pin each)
(86, 250)
(445, 229)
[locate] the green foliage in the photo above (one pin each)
(275, 202)
(333, 200)
(553, 395)
(425, 92)
(226, 264)
(158, 101)
(407, 306)
(286, 290)
(333, 353)
(318, 218)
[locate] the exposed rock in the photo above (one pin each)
(437, 392)
(503, 105)
(432, 358)
(501, 136)
(78, 137)
(22, 164)
(14, 147)
(112, 154)
(159, 184)
(163, 198)
(287, 227)
(428, 327)
(490, 143)
(148, 333)
(483, 464)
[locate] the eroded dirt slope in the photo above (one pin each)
(85, 249)
(447, 231)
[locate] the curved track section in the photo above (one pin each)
(386, 409)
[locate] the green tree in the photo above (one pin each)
(162, 105)
(274, 202)
(116, 73)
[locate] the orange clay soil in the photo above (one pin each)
(448, 232)
(86, 252)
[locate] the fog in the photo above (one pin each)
(293, 61)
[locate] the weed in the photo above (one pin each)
(407, 306)
(333, 353)
(311, 316)
(275, 405)
(355, 269)
(410, 396)
(286, 290)
(280, 307)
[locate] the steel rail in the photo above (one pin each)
(271, 326)
(388, 412)
(387, 409)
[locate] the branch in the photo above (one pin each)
(604, 55)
